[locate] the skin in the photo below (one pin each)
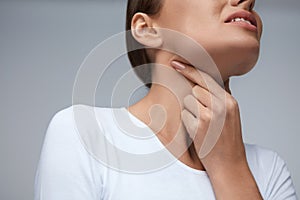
(195, 99)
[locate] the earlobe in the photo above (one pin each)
(144, 32)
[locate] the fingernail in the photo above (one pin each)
(177, 65)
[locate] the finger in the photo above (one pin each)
(190, 73)
(202, 95)
(198, 77)
(190, 123)
(193, 106)
(194, 128)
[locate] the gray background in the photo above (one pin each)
(43, 43)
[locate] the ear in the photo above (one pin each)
(144, 32)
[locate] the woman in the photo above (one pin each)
(183, 108)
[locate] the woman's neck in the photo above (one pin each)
(161, 111)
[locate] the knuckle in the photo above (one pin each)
(206, 116)
(218, 105)
(188, 100)
(196, 90)
(219, 108)
(189, 71)
(231, 104)
(194, 127)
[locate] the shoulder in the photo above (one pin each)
(72, 136)
(260, 155)
(76, 116)
(80, 130)
(66, 130)
(66, 168)
(270, 172)
(68, 114)
(261, 160)
(75, 126)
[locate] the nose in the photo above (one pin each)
(245, 4)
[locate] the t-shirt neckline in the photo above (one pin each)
(178, 162)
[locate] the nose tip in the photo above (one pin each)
(245, 4)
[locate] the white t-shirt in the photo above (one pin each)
(77, 163)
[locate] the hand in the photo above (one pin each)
(208, 104)
(212, 119)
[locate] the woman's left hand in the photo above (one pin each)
(212, 119)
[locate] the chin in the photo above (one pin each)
(245, 67)
(246, 56)
(235, 62)
(242, 70)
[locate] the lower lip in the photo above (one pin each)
(245, 25)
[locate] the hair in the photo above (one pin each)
(137, 52)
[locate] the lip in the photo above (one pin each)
(247, 16)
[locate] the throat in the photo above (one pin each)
(181, 147)
(161, 111)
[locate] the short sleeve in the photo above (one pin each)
(66, 171)
(279, 182)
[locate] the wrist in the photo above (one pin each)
(228, 170)
(235, 182)
(215, 167)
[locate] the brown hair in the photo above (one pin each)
(139, 54)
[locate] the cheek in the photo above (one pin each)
(233, 51)
(196, 49)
